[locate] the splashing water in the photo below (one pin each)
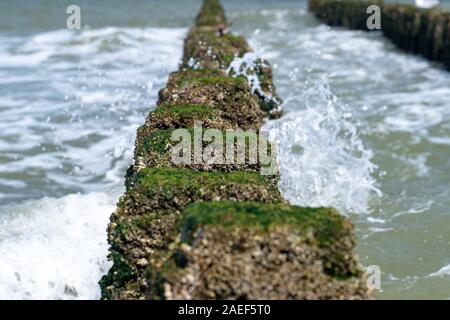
(246, 66)
(322, 160)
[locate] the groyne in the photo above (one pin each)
(220, 230)
(421, 31)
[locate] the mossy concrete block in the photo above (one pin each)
(171, 189)
(333, 232)
(208, 44)
(146, 216)
(222, 150)
(276, 252)
(232, 96)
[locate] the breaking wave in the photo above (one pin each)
(322, 159)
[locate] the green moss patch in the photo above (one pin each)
(184, 110)
(157, 143)
(156, 189)
(332, 233)
(302, 252)
(232, 96)
(237, 81)
(169, 116)
(152, 178)
(178, 78)
(242, 262)
(156, 148)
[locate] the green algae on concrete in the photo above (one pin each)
(208, 45)
(173, 188)
(224, 150)
(326, 224)
(276, 252)
(146, 217)
(201, 183)
(232, 96)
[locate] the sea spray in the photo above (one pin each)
(246, 66)
(322, 159)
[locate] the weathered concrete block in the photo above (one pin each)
(145, 218)
(276, 252)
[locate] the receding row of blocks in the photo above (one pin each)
(421, 31)
(221, 231)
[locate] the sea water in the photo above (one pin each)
(366, 130)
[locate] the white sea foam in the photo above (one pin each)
(55, 248)
(418, 163)
(321, 156)
(444, 271)
(245, 66)
(68, 125)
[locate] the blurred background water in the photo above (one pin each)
(367, 130)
